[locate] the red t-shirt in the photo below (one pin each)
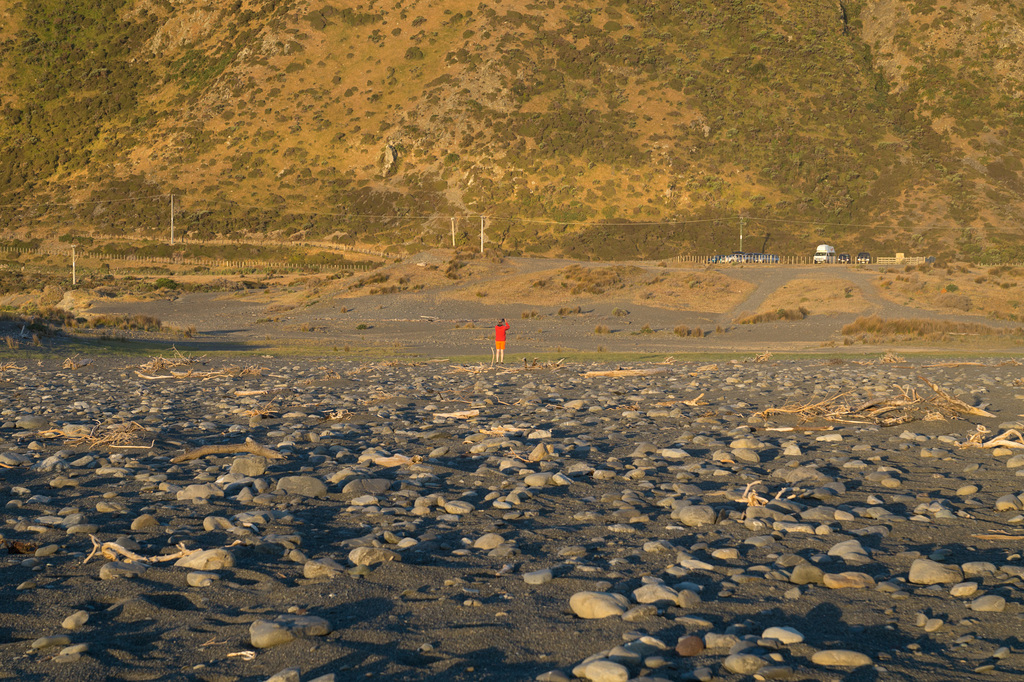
(500, 330)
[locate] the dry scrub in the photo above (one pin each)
(696, 291)
(783, 314)
(876, 329)
(993, 291)
(821, 293)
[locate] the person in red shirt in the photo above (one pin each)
(500, 330)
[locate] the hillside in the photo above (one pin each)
(616, 129)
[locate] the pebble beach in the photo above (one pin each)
(296, 519)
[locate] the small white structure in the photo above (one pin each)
(825, 254)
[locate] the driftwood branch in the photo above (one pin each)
(958, 405)
(906, 407)
(250, 446)
(997, 535)
(463, 414)
(977, 440)
(112, 550)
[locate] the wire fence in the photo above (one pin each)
(188, 260)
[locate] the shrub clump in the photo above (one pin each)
(876, 326)
(784, 314)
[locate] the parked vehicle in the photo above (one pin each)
(843, 258)
(742, 257)
(825, 254)
(864, 257)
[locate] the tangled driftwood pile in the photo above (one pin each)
(906, 407)
(119, 435)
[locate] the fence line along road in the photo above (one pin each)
(209, 262)
(809, 260)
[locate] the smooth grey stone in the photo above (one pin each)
(928, 572)
(249, 465)
(964, 589)
(743, 664)
(989, 602)
(553, 676)
(539, 577)
(694, 515)
(52, 641)
(368, 556)
(212, 523)
(13, 459)
(974, 569)
(264, 634)
(840, 658)
(803, 574)
(784, 634)
(118, 569)
(641, 612)
(207, 560)
(366, 486)
(32, 422)
(322, 568)
(304, 486)
(51, 463)
(488, 541)
(201, 578)
(1009, 503)
(714, 640)
(594, 605)
(75, 620)
(655, 593)
(199, 491)
(602, 670)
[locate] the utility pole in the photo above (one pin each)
(172, 220)
(453, 233)
(74, 274)
(742, 220)
(481, 234)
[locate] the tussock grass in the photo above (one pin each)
(784, 314)
(876, 326)
(146, 323)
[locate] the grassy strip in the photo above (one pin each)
(45, 319)
(874, 325)
(784, 314)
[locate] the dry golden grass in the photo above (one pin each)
(671, 289)
(874, 327)
(782, 314)
(993, 292)
(827, 295)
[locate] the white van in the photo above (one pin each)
(825, 254)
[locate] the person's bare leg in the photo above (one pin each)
(501, 355)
